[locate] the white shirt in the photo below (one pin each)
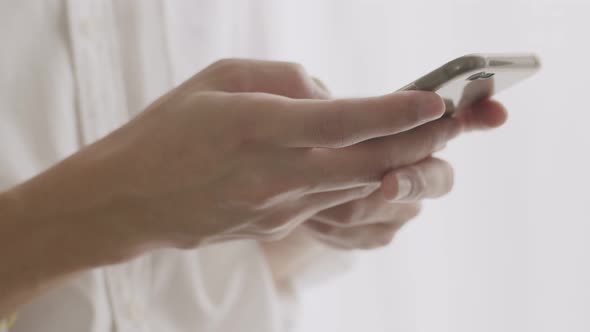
(72, 71)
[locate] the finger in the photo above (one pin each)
(303, 209)
(315, 203)
(360, 211)
(369, 161)
(344, 122)
(486, 114)
(427, 179)
(286, 79)
(360, 237)
(368, 210)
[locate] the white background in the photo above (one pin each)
(509, 248)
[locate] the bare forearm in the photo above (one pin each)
(33, 256)
(50, 232)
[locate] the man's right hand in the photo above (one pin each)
(202, 165)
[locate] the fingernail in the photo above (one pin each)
(404, 186)
(430, 106)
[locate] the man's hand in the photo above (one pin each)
(221, 157)
(373, 221)
(204, 163)
(367, 222)
(363, 223)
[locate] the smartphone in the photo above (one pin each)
(474, 77)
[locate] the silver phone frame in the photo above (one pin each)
(458, 72)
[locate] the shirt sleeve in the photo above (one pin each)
(298, 262)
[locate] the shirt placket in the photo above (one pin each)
(101, 101)
(101, 109)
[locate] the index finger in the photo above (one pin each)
(329, 169)
(344, 122)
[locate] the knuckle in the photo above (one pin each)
(297, 80)
(244, 112)
(247, 131)
(234, 73)
(295, 69)
(226, 63)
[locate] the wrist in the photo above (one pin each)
(62, 216)
(54, 226)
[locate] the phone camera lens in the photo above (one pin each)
(480, 76)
